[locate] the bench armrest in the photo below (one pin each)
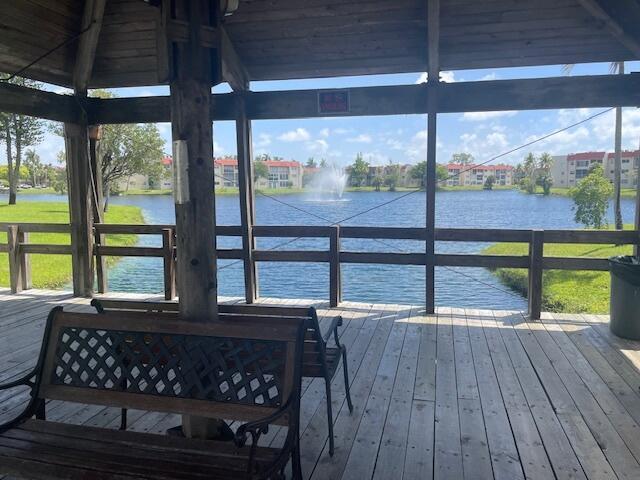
(30, 380)
(333, 329)
(257, 428)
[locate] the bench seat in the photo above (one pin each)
(44, 449)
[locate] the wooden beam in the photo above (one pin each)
(599, 12)
(233, 70)
(433, 84)
(87, 44)
(79, 183)
(597, 91)
(247, 207)
(38, 103)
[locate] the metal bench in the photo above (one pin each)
(152, 361)
(319, 361)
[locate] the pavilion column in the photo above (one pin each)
(192, 130)
(97, 202)
(80, 209)
(433, 37)
(247, 205)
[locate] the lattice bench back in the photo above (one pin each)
(153, 361)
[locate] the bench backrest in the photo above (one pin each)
(313, 335)
(153, 361)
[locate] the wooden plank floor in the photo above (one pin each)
(470, 394)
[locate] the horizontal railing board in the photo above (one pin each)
(292, 231)
(575, 263)
(38, 227)
(45, 249)
(291, 256)
(230, 254)
(157, 229)
(113, 251)
(622, 237)
(481, 235)
(389, 233)
(4, 248)
(486, 261)
(384, 258)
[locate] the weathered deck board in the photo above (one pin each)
(468, 394)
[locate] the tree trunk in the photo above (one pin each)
(618, 161)
(12, 185)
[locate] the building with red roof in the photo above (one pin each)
(569, 169)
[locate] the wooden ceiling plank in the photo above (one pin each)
(433, 39)
(233, 71)
(87, 44)
(595, 8)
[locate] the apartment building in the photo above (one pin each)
(281, 173)
(469, 174)
(568, 170)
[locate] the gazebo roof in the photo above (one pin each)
(287, 39)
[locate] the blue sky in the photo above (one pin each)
(402, 138)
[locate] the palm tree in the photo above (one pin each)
(614, 67)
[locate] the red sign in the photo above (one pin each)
(333, 101)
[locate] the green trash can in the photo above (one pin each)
(624, 307)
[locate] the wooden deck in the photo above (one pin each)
(461, 394)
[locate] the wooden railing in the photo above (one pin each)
(19, 248)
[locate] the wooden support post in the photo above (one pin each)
(168, 239)
(335, 280)
(636, 247)
(80, 209)
(15, 262)
(247, 207)
(25, 261)
(97, 203)
(190, 87)
(536, 253)
(433, 32)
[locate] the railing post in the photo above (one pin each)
(25, 261)
(19, 277)
(168, 243)
(102, 273)
(335, 280)
(536, 253)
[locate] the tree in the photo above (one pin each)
(34, 166)
(392, 176)
(129, 149)
(311, 163)
(323, 163)
(359, 171)
(463, 158)
(614, 67)
(18, 132)
(442, 174)
(545, 180)
(58, 175)
(260, 170)
(529, 168)
(377, 182)
(488, 183)
(591, 198)
(419, 172)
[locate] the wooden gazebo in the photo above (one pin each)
(546, 422)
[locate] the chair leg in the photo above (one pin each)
(346, 379)
(123, 419)
(41, 413)
(296, 466)
(327, 383)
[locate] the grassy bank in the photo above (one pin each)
(564, 192)
(563, 290)
(54, 271)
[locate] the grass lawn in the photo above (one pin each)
(564, 290)
(564, 192)
(54, 271)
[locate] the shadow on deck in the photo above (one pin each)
(460, 394)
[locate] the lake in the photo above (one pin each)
(460, 287)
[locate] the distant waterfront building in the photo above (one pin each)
(470, 174)
(568, 170)
(282, 173)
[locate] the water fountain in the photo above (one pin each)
(329, 184)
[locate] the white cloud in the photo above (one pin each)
(446, 77)
(362, 138)
(489, 76)
(297, 135)
(341, 131)
(324, 132)
(482, 116)
(217, 149)
(318, 146)
(264, 140)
